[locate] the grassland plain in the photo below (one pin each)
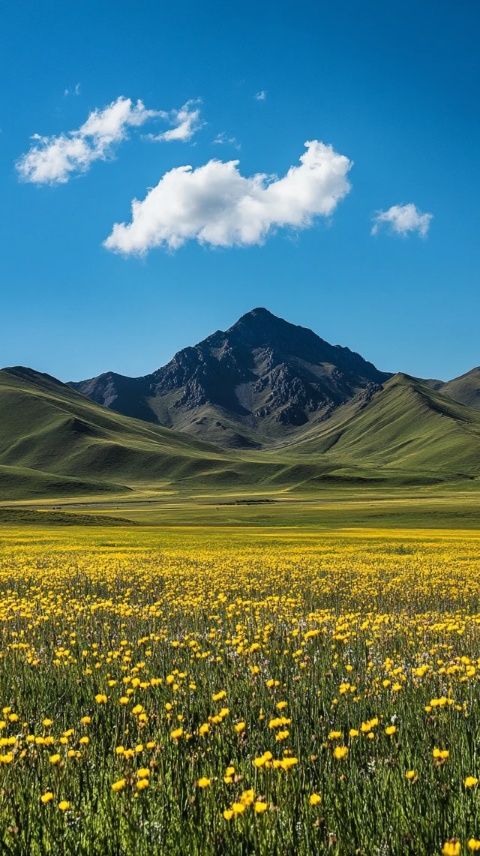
(239, 690)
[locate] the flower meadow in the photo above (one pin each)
(239, 692)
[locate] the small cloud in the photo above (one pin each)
(53, 160)
(402, 220)
(261, 96)
(223, 140)
(185, 123)
(75, 91)
(216, 205)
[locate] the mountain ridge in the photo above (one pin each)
(249, 385)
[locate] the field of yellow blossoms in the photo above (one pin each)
(231, 692)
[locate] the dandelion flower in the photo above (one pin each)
(340, 752)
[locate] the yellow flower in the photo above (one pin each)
(340, 752)
(176, 733)
(411, 775)
(354, 732)
(239, 727)
(86, 720)
(204, 782)
(470, 782)
(259, 807)
(47, 722)
(55, 759)
(204, 729)
(247, 797)
(228, 814)
(286, 763)
(451, 848)
(46, 797)
(119, 785)
(84, 741)
(335, 735)
(473, 845)
(315, 799)
(440, 755)
(143, 773)
(218, 696)
(238, 808)
(390, 729)
(101, 698)
(142, 784)
(64, 805)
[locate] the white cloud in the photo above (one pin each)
(52, 160)
(402, 220)
(185, 122)
(261, 96)
(75, 91)
(223, 139)
(214, 204)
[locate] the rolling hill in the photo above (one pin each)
(464, 389)
(54, 442)
(405, 429)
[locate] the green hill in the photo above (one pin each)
(54, 442)
(407, 428)
(464, 389)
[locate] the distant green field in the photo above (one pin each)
(433, 507)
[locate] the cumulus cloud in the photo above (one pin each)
(185, 122)
(53, 160)
(261, 96)
(403, 219)
(215, 205)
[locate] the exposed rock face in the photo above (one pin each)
(259, 380)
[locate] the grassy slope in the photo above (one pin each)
(406, 429)
(465, 389)
(54, 442)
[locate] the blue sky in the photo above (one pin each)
(392, 87)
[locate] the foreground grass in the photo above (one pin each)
(239, 691)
